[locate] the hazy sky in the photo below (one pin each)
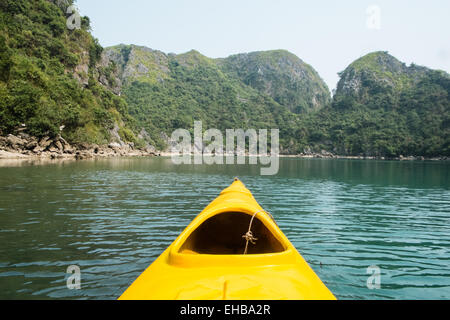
(328, 35)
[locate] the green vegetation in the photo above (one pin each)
(179, 89)
(374, 116)
(48, 74)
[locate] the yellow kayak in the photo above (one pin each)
(233, 250)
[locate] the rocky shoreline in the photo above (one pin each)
(328, 155)
(24, 146)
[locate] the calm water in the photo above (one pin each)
(114, 217)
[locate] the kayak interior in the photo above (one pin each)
(222, 234)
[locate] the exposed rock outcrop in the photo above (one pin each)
(23, 145)
(137, 63)
(281, 75)
(377, 71)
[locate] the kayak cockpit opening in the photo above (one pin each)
(222, 234)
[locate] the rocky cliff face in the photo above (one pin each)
(281, 75)
(137, 63)
(377, 72)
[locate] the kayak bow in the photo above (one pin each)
(232, 250)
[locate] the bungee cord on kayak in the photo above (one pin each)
(249, 235)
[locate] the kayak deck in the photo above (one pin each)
(278, 281)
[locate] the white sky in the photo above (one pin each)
(327, 34)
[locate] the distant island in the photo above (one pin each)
(62, 94)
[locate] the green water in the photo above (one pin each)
(114, 217)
